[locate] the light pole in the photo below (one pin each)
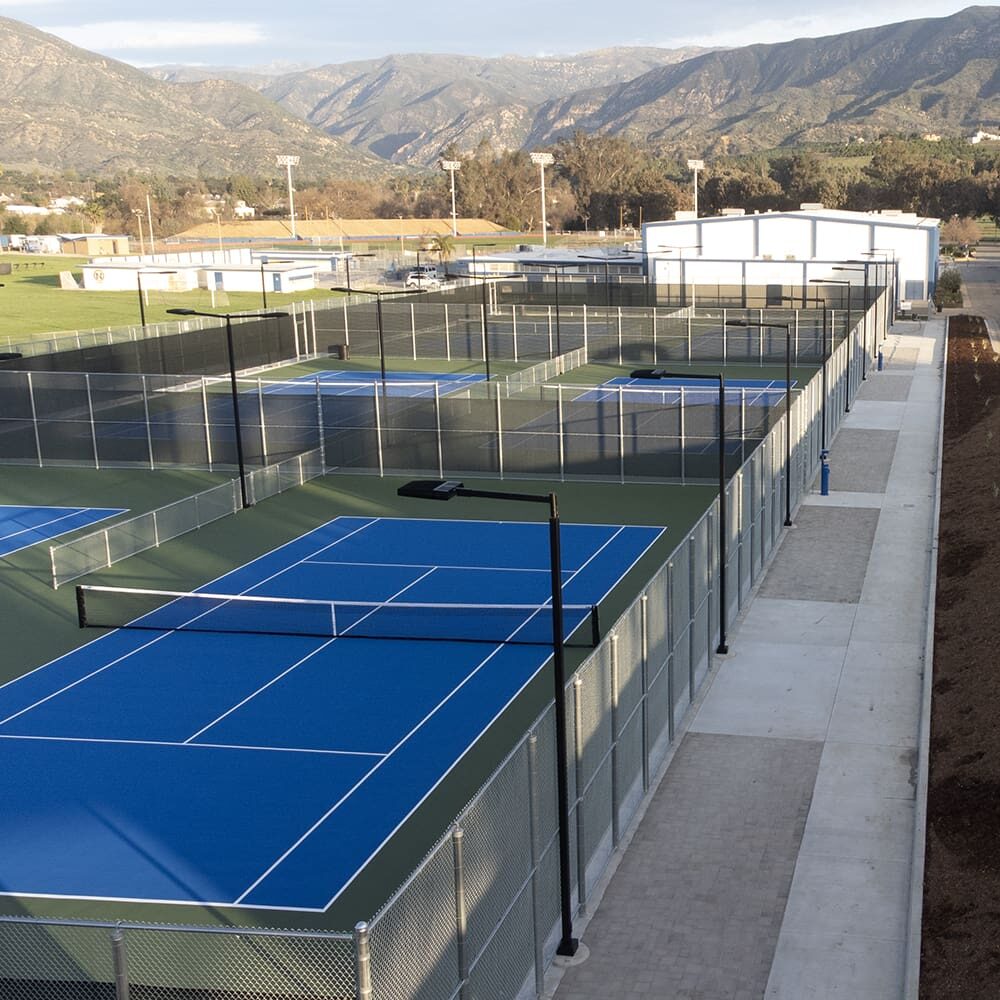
(237, 426)
(288, 162)
(451, 166)
(378, 293)
(218, 223)
(347, 265)
(695, 166)
(137, 212)
(475, 247)
(543, 160)
(658, 373)
(788, 406)
(864, 319)
(445, 490)
(558, 268)
(891, 304)
(606, 260)
(484, 280)
(142, 304)
(844, 283)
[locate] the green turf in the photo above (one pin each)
(360, 363)
(47, 624)
(35, 306)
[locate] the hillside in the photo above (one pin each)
(62, 107)
(933, 75)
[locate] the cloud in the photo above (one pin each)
(814, 25)
(113, 36)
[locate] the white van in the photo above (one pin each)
(423, 276)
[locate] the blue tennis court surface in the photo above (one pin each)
(364, 383)
(264, 770)
(667, 391)
(21, 527)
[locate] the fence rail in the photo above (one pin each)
(121, 539)
(479, 917)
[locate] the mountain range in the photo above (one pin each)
(63, 107)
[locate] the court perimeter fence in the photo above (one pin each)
(479, 917)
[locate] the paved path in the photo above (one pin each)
(774, 859)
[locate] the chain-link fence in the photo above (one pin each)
(121, 539)
(480, 916)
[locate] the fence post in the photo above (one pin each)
(621, 434)
(644, 663)
(312, 313)
(671, 639)
(581, 854)
(620, 361)
(537, 933)
(513, 326)
(149, 430)
(499, 439)
(562, 431)
(437, 423)
(362, 962)
(413, 330)
(263, 426)
(93, 427)
(320, 429)
(447, 334)
(120, 962)
(208, 426)
(378, 430)
(458, 856)
(34, 420)
(689, 336)
(615, 737)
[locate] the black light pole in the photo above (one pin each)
(864, 324)
(475, 247)
(378, 293)
(788, 407)
(263, 282)
(237, 426)
(484, 280)
(437, 489)
(721, 379)
(847, 374)
(891, 303)
(142, 304)
(347, 266)
(825, 352)
(558, 268)
(680, 256)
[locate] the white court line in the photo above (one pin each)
(165, 635)
(391, 565)
(55, 520)
(288, 670)
(188, 746)
(437, 708)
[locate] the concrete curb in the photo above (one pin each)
(911, 980)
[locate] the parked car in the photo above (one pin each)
(423, 276)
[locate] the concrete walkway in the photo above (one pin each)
(774, 859)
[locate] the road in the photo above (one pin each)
(981, 287)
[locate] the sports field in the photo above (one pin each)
(50, 630)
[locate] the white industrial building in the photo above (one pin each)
(775, 250)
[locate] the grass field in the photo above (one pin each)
(34, 304)
(47, 620)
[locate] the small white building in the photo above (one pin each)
(792, 249)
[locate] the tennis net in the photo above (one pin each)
(172, 611)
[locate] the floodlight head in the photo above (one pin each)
(288, 161)
(182, 312)
(430, 489)
(696, 164)
(648, 373)
(451, 164)
(542, 159)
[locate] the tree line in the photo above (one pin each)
(594, 183)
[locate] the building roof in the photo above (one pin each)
(280, 229)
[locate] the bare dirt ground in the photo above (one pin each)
(961, 918)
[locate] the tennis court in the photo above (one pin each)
(672, 391)
(22, 526)
(264, 770)
(364, 383)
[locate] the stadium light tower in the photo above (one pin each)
(696, 165)
(451, 166)
(543, 160)
(288, 162)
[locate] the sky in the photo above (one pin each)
(299, 33)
